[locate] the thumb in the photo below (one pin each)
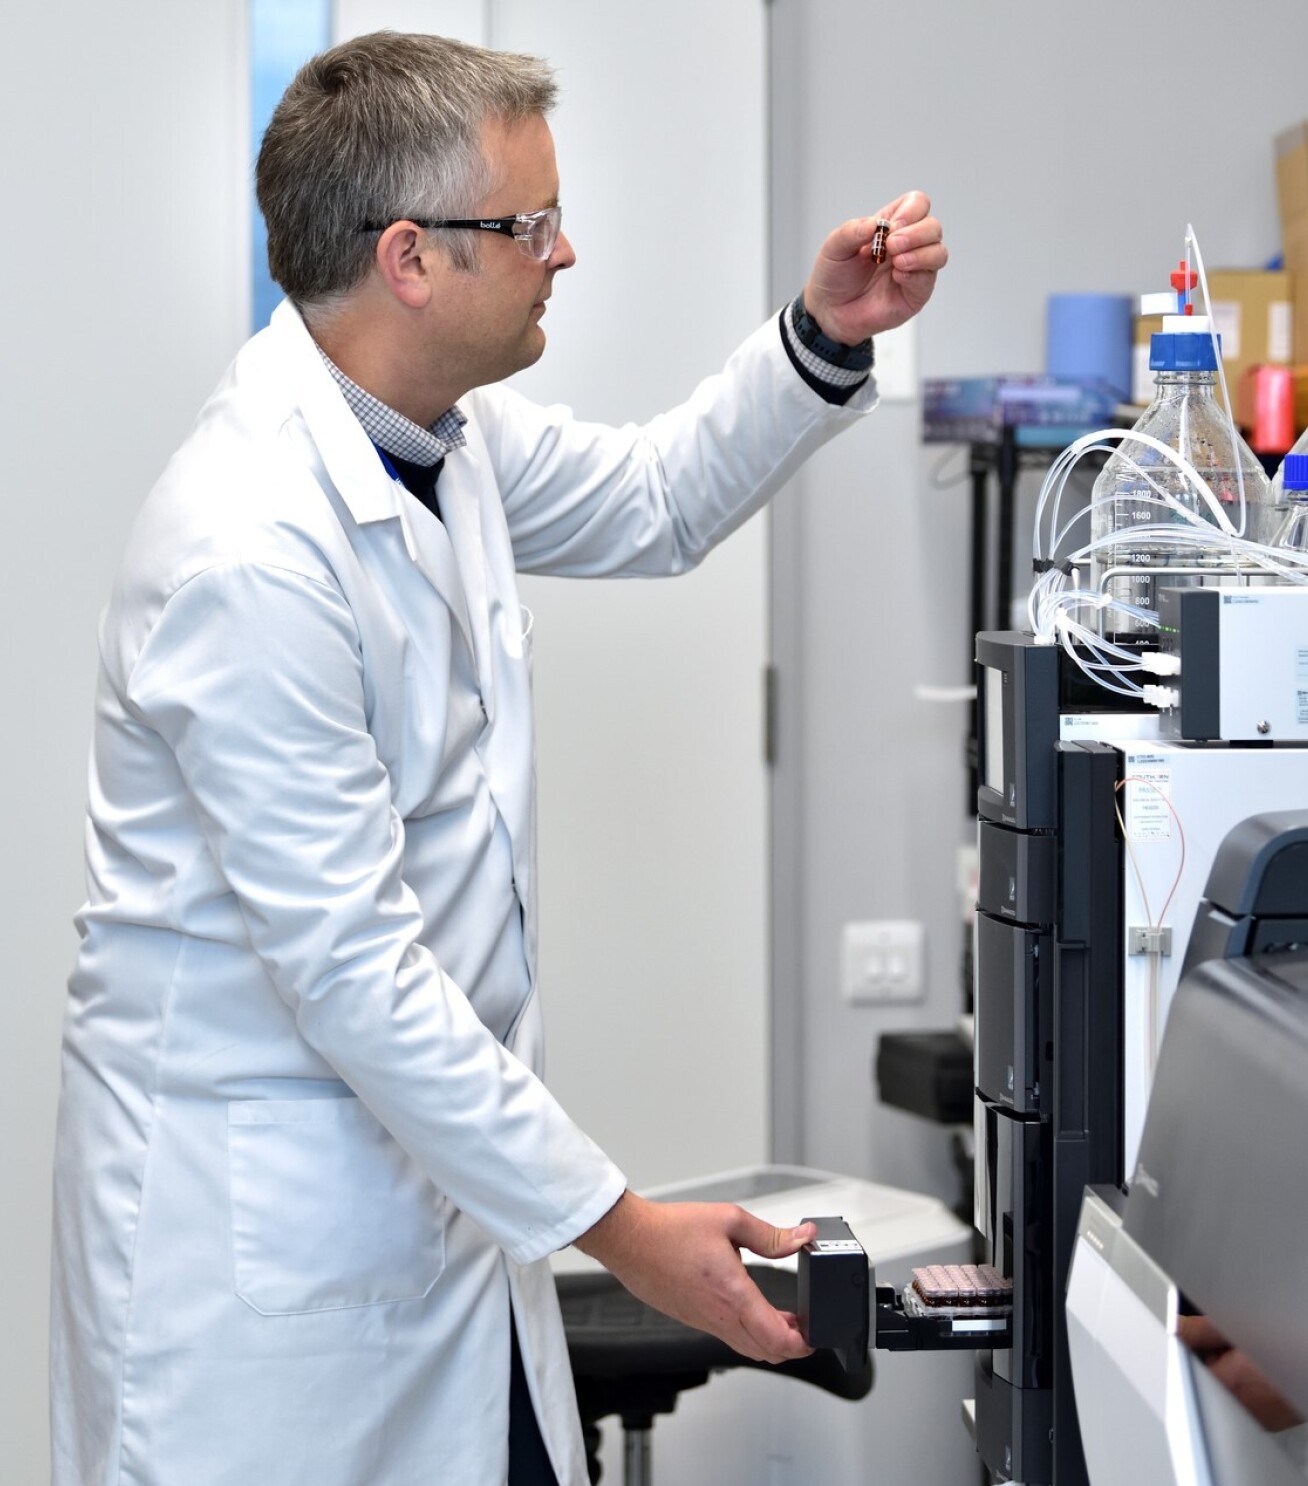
(767, 1241)
(848, 238)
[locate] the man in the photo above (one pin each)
(308, 1178)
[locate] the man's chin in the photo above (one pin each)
(527, 353)
(533, 347)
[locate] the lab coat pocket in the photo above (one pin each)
(327, 1210)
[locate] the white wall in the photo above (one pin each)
(121, 297)
(653, 789)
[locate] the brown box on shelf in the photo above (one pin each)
(1301, 397)
(1254, 314)
(1295, 237)
(1292, 197)
(1292, 172)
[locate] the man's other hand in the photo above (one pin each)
(683, 1258)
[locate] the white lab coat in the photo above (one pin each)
(305, 1160)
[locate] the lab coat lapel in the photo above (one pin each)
(428, 544)
(352, 464)
(470, 505)
(458, 492)
(465, 557)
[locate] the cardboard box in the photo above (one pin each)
(1295, 236)
(1292, 172)
(1254, 315)
(1292, 196)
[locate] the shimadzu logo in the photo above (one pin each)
(1143, 1179)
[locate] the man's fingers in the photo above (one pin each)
(929, 259)
(849, 239)
(775, 1333)
(748, 1232)
(927, 233)
(1200, 1335)
(907, 209)
(906, 212)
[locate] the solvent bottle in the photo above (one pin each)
(1292, 478)
(1279, 497)
(1185, 415)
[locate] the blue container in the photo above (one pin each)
(1088, 338)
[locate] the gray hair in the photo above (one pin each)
(380, 128)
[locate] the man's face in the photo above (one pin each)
(494, 315)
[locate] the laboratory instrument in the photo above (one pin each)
(1187, 1303)
(1159, 701)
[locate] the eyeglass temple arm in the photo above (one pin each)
(507, 225)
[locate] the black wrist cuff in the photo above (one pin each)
(810, 335)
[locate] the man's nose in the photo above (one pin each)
(562, 256)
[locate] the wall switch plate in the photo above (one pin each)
(882, 961)
(896, 364)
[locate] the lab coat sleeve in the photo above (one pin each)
(587, 500)
(253, 676)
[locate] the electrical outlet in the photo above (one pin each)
(882, 960)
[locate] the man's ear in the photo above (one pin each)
(404, 261)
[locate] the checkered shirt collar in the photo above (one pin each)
(394, 432)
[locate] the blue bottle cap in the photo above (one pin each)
(1187, 351)
(1294, 472)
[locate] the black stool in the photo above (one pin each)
(632, 1361)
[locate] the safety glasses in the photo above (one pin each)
(534, 232)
